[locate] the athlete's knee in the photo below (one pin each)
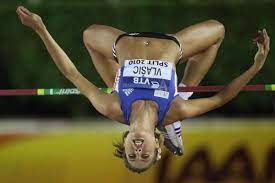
(219, 28)
(89, 35)
(216, 23)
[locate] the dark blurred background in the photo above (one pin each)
(79, 147)
(25, 63)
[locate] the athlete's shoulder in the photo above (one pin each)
(176, 111)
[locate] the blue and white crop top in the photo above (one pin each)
(141, 79)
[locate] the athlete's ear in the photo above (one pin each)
(159, 154)
(157, 143)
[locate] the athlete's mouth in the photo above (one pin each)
(138, 142)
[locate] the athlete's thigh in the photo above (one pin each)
(198, 37)
(106, 67)
(101, 38)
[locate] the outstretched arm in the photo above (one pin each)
(100, 100)
(197, 107)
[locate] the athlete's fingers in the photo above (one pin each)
(265, 37)
(21, 13)
(26, 11)
(265, 33)
(17, 10)
(260, 48)
(27, 18)
(267, 41)
(259, 38)
(22, 9)
(23, 17)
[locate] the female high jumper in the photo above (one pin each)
(141, 68)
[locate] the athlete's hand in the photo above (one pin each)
(263, 42)
(30, 19)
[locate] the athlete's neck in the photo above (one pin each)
(144, 116)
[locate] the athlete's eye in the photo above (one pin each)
(145, 156)
(132, 156)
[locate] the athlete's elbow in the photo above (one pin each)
(185, 112)
(217, 101)
(106, 111)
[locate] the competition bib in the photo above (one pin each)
(151, 74)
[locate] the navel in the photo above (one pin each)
(147, 43)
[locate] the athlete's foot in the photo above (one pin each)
(172, 138)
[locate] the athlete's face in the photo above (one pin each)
(140, 148)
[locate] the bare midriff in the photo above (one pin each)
(147, 48)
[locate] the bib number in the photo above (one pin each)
(157, 69)
(151, 74)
